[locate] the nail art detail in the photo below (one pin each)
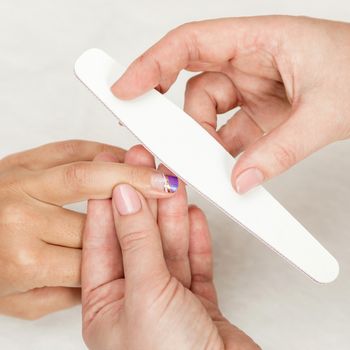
(164, 183)
(171, 183)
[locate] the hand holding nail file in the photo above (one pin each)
(196, 157)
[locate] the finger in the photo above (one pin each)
(138, 155)
(58, 153)
(60, 267)
(101, 258)
(39, 302)
(139, 239)
(214, 42)
(283, 147)
(201, 256)
(207, 95)
(174, 227)
(239, 132)
(94, 180)
(60, 226)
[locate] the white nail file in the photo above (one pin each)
(198, 159)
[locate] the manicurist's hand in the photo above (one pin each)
(40, 240)
(289, 76)
(164, 297)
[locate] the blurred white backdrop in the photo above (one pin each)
(41, 101)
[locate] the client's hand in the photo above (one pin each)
(40, 240)
(165, 297)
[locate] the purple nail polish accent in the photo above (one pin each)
(171, 183)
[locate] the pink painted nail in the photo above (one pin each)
(126, 200)
(248, 179)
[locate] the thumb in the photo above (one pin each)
(139, 238)
(302, 134)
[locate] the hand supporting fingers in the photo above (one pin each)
(137, 312)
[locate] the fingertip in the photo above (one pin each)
(200, 238)
(132, 84)
(119, 91)
(197, 215)
(139, 155)
(192, 208)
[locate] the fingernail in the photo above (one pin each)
(248, 179)
(165, 183)
(115, 89)
(114, 86)
(126, 200)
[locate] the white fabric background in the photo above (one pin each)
(41, 101)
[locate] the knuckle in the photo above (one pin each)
(175, 251)
(76, 176)
(200, 278)
(149, 58)
(205, 79)
(26, 263)
(142, 58)
(70, 147)
(196, 82)
(13, 213)
(134, 240)
(91, 307)
(106, 149)
(285, 156)
(10, 160)
(184, 28)
(136, 174)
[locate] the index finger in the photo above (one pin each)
(210, 44)
(79, 181)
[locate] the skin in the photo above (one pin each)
(289, 76)
(40, 240)
(164, 296)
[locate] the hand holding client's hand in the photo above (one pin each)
(40, 240)
(164, 297)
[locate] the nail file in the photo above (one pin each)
(198, 159)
